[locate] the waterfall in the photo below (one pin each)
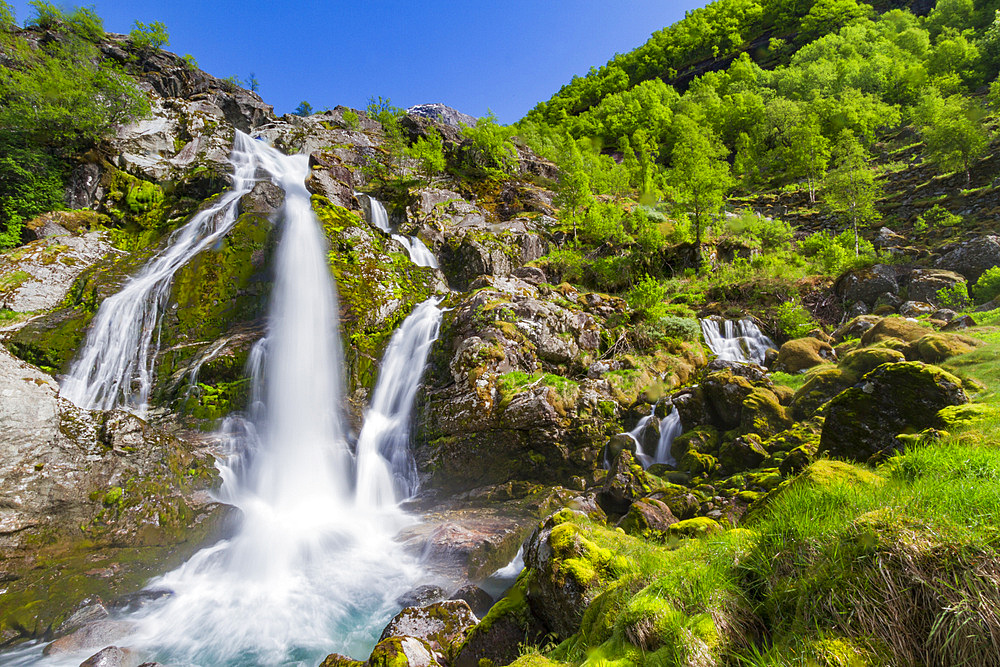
(419, 253)
(115, 365)
(314, 568)
(670, 428)
(386, 471)
(736, 340)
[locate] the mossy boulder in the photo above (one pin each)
(862, 422)
(703, 439)
(442, 625)
(866, 359)
(743, 453)
(802, 354)
(509, 625)
(697, 527)
(763, 414)
(648, 518)
(822, 385)
(337, 660)
(402, 652)
(937, 347)
(894, 327)
(569, 571)
(698, 464)
(683, 502)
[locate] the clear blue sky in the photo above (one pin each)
(500, 55)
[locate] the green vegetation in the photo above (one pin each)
(56, 101)
(149, 36)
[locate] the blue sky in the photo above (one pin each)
(474, 56)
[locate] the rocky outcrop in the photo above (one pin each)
(971, 258)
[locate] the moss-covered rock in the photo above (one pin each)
(443, 626)
(337, 660)
(402, 652)
(703, 439)
(509, 625)
(894, 327)
(725, 392)
(802, 354)
(866, 359)
(697, 527)
(742, 453)
(863, 421)
(822, 385)
(937, 347)
(625, 483)
(648, 518)
(762, 414)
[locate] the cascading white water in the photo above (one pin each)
(419, 253)
(115, 365)
(670, 428)
(736, 340)
(386, 471)
(314, 568)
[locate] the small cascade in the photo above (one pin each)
(115, 365)
(419, 253)
(736, 340)
(386, 470)
(670, 428)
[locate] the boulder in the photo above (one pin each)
(916, 308)
(926, 283)
(763, 414)
(508, 626)
(569, 571)
(822, 385)
(90, 636)
(338, 660)
(421, 595)
(802, 354)
(894, 327)
(971, 258)
(402, 652)
(697, 527)
(959, 323)
(724, 393)
(936, 347)
(112, 656)
(442, 626)
(855, 328)
(743, 453)
(478, 600)
(866, 359)
(862, 422)
(867, 285)
(648, 518)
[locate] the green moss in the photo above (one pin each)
(699, 526)
(13, 280)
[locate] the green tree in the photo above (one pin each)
(149, 36)
(489, 147)
(808, 152)
(851, 189)
(304, 109)
(428, 151)
(829, 15)
(573, 192)
(954, 132)
(699, 172)
(80, 21)
(7, 21)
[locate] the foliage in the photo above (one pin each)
(489, 148)
(955, 296)
(7, 21)
(793, 320)
(190, 61)
(351, 119)
(987, 288)
(700, 173)
(757, 231)
(835, 254)
(851, 189)
(304, 109)
(647, 298)
(30, 184)
(149, 36)
(82, 22)
(953, 130)
(428, 151)
(937, 216)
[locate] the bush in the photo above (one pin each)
(987, 287)
(793, 320)
(757, 231)
(955, 296)
(489, 147)
(351, 119)
(835, 254)
(937, 217)
(647, 298)
(81, 21)
(149, 36)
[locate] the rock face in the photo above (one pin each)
(867, 285)
(442, 114)
(971, 258)
(862, 422)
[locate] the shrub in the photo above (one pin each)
(793, 319)
(835, 254)
(351, 119)
(987, 287)
(647, 298)
(149, 36)
(937, 216)
(489, 147)
(955, 296)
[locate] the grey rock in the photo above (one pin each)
(420, 596)
(926, 283)
(442, 625)
(916, 309)
(478, 600)
(442, 114)
(90, 636)
(112, 656)
(867, 284)
(972, 258)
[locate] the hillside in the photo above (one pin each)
(695, 365)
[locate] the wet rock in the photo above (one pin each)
(112, 656)
(132, 602)
(862, 422)
(86, 614)
(442, 625)
(508, 626)
(971, 258)
(420, 596)
(916, 308)
(338, 660)
(90, 636)
(478, 600)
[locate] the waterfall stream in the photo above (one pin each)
(670, 428)
(419, 253)
(736, 340)
(115, 364)
(313, 568)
